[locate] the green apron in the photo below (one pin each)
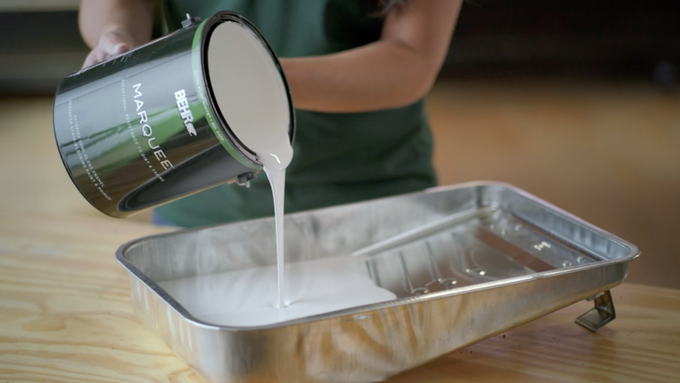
(339, 157)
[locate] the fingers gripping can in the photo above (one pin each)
(146, 128)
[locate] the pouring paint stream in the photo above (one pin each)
(258, 113)
(275, 163)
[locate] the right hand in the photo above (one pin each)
(110, 45)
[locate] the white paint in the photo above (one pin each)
(245, 298)
(277, 180)
(253, 100)
(250, 92)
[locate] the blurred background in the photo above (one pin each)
(574, 101)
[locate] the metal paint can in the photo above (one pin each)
(145, 128)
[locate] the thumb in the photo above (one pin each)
(110, 45)
(114, 43)
(120, 48)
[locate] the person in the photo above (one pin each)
(358, 71)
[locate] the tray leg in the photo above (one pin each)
(601, 314)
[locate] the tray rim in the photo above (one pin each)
(357, 310)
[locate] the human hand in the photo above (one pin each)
(110, 45)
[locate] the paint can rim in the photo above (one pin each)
(206, 31)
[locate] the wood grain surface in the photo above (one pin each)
(65, 316)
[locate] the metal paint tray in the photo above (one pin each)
(466, 262)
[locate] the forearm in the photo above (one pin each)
(395, 71)
(98, 17)
(382, 75)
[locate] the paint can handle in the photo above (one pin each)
(245, 178)
(190, 21)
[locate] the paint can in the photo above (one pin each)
(147, 128)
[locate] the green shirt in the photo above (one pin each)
(338, 157)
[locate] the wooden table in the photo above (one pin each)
(65, 316)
